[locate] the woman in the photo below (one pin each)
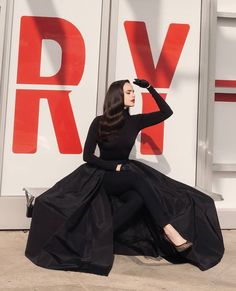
(114, 205)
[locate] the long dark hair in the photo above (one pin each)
(112, 119)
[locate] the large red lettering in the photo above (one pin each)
(160, 75)
(32, 32)
(151, 145)
(27, 115)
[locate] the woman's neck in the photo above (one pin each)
(126, 111)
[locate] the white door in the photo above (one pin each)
(49, 83)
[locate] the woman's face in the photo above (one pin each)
(129, 97)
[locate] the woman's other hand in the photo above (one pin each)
(118, 167)
(141, 83)
(122, 167)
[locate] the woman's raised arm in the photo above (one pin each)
(148, 119)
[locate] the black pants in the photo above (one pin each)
(136, 193)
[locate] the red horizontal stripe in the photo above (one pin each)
(225, 83)
(225, 97)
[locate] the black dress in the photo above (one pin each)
(72, 226)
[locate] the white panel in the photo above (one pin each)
(224, 137)
(179, 154)
(226, 5)
(225, 49)
(224, 115)
(47, 165)
(224, 183)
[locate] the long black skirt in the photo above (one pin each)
(71, 227)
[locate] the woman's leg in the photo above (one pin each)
(174, 235)
(117, 182)
(133, 202)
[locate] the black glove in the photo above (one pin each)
(141, 83)
(125, 167)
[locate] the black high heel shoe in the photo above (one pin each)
(29, 203)
(179, 248)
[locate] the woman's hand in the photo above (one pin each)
(123, 167)
(141, 83)
(118, 167)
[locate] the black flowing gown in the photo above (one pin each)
(71, 226)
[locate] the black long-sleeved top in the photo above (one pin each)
(117, 150)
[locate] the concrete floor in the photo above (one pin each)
(128, 273)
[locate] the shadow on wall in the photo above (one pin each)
(161, 164)
(150, 32)
(60, 30)
(153, 27)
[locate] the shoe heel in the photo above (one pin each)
(29, 203)
(183, 247)
(29, 211)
